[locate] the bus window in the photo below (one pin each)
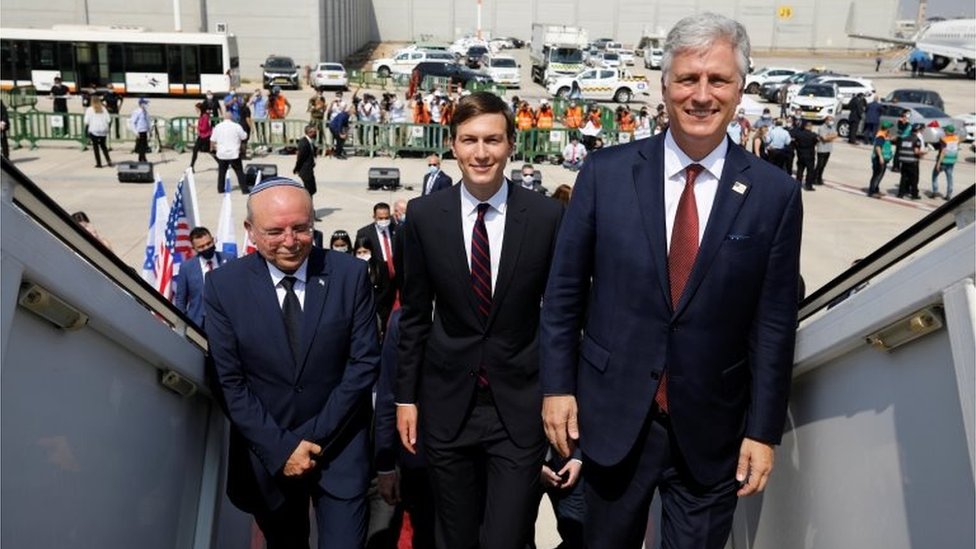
(144, 58)
(66, 61)
(116, 63)
(44, 55)
(211, 60)
(14, 61)
(191, 70)
(174, 58)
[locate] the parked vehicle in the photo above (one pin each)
(458, 74)
(626, 57)
(817, 101)
(969, 123)
(653, 57)
(755, 80)
(473, 56)
(607, 59)
(932, 118)
(404, 62)
(556, 50)
(600, 84)
(280, 71)
(770, 90)
(504, 70)
(916, 95)
(848, 87)
(330, 75)
(601, 43)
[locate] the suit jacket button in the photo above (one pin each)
(299, 388)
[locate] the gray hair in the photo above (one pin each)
(698, 32)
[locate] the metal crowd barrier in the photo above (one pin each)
(20, 96)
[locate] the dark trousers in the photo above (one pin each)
(909, 180)
(202, 144)
(822, 159)
(235, 164)
(4, 144)
(618, 497)
(308, 179)
(853, 133)
(776, 157)
(788, 161)
(98, 142)
(339, 147)
(484, 485)
(870, 128)
(878, 168)
(142, 145)
(804, 165)
(569, 506)
(341, 523)
(416, 499)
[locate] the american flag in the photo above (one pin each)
(177, 246)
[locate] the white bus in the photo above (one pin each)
(129, 59)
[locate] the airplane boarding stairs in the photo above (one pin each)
(110, 438)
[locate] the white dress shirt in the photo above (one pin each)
(431, 178)
(301, 275)
(706, 184)
(228, 136)
(494, 224)
(212, 263)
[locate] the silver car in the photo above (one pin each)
(932, 118)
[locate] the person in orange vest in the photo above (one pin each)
(544, 119)
(447, 112)
(573, 118)
(421, 115)
(278, 109)
(524, 118)
(625, 120)
(594, 117)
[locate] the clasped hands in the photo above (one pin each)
(302, 459)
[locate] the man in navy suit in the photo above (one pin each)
(188, 286)
(435, 180)
(680, 381)
(292, 334)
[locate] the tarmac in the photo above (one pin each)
(841, 224)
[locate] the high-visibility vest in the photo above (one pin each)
(627, 123)
(420, 113)
(544, 120)
(524, 119)
(950, 148)
(595, 119)
(574, 117)
(276, 107)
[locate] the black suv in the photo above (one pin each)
(280, 71)
(457, 73)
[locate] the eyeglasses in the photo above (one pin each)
(276, 236)
(433, 165)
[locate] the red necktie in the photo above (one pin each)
(681, 257)
(481, 274)
(209, 266)
(388, 252)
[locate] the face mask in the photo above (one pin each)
(209, 96)
(432, 169)
(528, 179)
(340, 249)
(365, 256)
(403, 218)
(767, 116)
(208, 253)
(383, 223)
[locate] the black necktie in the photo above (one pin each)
(292, 310)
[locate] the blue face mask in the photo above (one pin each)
(432, 169)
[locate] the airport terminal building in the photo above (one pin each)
(310, 31)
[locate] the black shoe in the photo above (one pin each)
(947, 197)
(900, 196)
(98, 165)
(808, 188)
(915, 197)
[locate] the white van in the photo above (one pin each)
(405, 61)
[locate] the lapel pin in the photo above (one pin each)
(321, 282)
(739, 187)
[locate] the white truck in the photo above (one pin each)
(599, 84)
(556, 50)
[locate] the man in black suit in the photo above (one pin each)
(292, 334)
(435, 179)
(680, 381)
(468, 369)
(381, 234)
(305, 161)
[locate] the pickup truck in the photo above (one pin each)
(600, 84)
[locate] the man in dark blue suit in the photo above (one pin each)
(435, 180)
(292, 334)
(188, 286)
(680, 380)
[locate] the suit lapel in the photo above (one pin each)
(515, 226)
(649, 185)
(316, 289)
(724, 211)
